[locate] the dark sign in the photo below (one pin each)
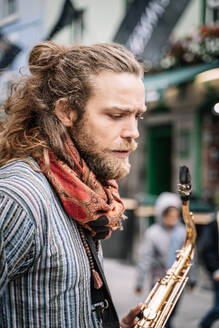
(8, 51)
(147, 26)
(68, 14)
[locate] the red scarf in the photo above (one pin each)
(96, 207)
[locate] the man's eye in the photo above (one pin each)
(116, 116)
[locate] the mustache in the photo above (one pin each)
(127, 146)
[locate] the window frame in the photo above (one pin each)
(5, 16)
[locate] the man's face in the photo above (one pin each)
(105, 134)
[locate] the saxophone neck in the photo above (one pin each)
(188, 218)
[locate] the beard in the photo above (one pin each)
(101, 162)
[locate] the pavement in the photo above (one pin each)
(193, 305)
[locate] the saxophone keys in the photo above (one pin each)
(149, 314)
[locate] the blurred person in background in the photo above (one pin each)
(159, 245)
(70, 126)
(210, 256)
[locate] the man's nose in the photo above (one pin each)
(130, 130)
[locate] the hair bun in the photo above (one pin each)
(44, 56)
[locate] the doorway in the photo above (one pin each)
(159, 159)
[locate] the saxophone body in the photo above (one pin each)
(161, 301)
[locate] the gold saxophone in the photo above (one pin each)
(163, 297)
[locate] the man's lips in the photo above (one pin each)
(121, 153)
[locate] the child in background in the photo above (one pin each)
(160, 242)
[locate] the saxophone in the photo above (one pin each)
(159, 304)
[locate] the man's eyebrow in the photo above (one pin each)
(127, 109)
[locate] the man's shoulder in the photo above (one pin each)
(19, 166)
(23, 180)
(21, 170)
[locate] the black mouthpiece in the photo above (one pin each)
(184, 186)
(184, 175)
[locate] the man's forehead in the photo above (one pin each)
(123, 91)
(108, 77)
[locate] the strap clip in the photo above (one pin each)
(99, 308)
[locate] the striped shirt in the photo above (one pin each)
(44, 269)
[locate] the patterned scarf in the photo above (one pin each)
(94, 206)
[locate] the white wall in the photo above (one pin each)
(101, 19)
(189, 20)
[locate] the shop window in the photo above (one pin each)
(212, 12)
(210, 157)
(184, 143)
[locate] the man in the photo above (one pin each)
(71, 125)
(210, 256)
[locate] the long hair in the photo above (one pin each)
(55, 72)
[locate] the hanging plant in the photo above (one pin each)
(200, 47)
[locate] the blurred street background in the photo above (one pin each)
(121, 279)
(178, 44)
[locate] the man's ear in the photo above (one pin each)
(64, 113)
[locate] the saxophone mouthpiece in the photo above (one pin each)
(184, 186)
(184, 175)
